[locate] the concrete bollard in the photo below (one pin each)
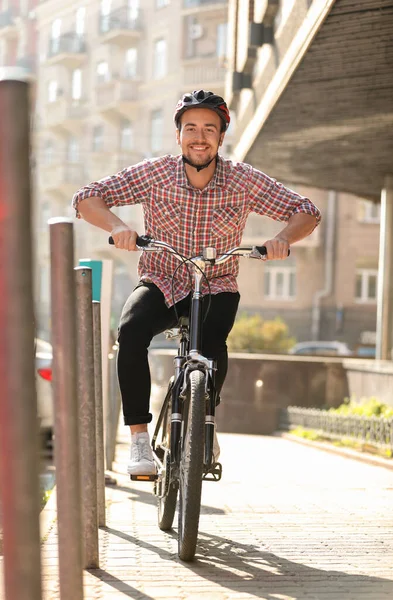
(87, 413)
(66, 408)
(19, 463)
(99, 413)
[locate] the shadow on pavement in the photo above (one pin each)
(118, 584)
(138, 495)
(249, 568)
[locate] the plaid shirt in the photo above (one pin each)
(190, 219)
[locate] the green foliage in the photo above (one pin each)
(251, 333)
(365, 407)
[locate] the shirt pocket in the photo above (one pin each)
(226, 220)
(165, 219)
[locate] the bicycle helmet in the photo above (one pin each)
(203, 99)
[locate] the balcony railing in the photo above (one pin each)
(110, 93)
(198, 3)
(120, 19)
(368, 430)
(69, 43)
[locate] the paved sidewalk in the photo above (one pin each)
(286, 522)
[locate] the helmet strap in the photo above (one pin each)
(198, 167)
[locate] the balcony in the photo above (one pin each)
(68, 50)
(198, 6)
(102, 164)
(8, 27)
(121, 27)
(117, 98)
(65, 115)
(62, 179)
(203, 73)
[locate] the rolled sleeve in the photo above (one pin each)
(270, 198)
(129, 186)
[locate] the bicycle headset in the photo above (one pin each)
(202, 99)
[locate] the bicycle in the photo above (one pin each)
(182, 442)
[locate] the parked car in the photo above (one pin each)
(43, 363)
(331, 348)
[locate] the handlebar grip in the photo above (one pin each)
(262, 250)
(141, 241)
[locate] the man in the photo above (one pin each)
(192, 201)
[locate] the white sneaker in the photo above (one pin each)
(141, 458)
(216, 446)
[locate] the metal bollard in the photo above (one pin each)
(66, 408)
(19, 462)
(86, 397)
(99, 413)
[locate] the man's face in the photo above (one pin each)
(200, 135)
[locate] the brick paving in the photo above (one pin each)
(286, 522)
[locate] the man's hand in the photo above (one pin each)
(124, 237)
(277, 248)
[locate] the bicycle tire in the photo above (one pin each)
(191, 467)
(167, 504)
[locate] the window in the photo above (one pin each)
(159, 65)
(126, 136)
(157, 124)
(48, 152)
(98, 138)
(368, 212)
(221, 48)
(280, 283)
(366, 285)
(76, 91)
(131, 63)
(73, 150)
(162, 3)
(133, 9)
(55, 36)
(53, 91)
(80, 21)
(102, 72)
(105, 10)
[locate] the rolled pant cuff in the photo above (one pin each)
(128, 420)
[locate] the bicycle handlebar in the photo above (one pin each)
(143, 241)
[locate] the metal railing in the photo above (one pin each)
(69, 43)
(120, 19)
(377, 431)
(196, 3)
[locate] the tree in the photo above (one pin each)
(251, 333)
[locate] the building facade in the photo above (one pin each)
(109, 75)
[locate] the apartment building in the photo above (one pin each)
(327, 288)
(18, 38)
(109, 75)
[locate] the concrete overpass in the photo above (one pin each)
(312, 89)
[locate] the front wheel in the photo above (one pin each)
(167, 503)
(191, 466)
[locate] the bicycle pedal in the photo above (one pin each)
(143, 477)
(214, 473)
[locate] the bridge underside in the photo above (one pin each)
(333, 125)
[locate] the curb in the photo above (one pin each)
(48, 516)
(376, 461)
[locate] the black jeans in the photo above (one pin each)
(144, 315)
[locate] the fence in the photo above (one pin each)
(377, 431)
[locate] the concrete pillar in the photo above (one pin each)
(384, 344)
